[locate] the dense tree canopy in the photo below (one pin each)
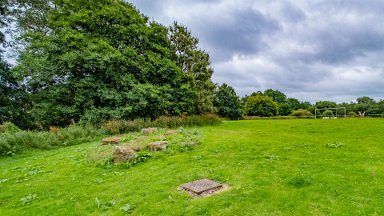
(260, 105)
(102, 60)
(195, 63)
(227, 102)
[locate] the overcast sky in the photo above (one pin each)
(310, 50)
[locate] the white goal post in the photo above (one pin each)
(337, 114)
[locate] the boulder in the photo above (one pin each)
(157, 146)
(122, 154)
(148, 130)
(111, 140)
(170, 132)
(191, 143)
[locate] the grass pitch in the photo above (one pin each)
(273, 167)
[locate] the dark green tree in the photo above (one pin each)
(276, 95)
(325, 104)
(364, 106)
(195, 63)
(101, 60)
(259, 105)
(227, 102)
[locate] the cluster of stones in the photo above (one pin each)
(122, 153)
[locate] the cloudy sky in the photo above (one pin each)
(310, 50)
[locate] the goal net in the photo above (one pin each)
(331, 112)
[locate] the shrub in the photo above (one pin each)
(301, 113)
(328, 113)
(9, 127)
(352, 114)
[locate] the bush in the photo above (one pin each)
(328, 113)
(352, 114)
(9, 127)
(301, 113)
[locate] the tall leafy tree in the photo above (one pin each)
(227, 102)
(195, 63)
(13, 100)
(99, 60)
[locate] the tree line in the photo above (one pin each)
(275, 103)
(92, 61)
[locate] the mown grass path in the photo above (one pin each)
(274, 167)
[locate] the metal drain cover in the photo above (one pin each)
(200, 186)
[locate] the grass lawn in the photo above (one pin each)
(273, 167)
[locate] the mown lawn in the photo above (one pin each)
(274, 167)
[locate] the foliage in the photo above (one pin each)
(195, 63)
(259, 105)
(227, 102)
(103, 60)
(301, 113)
(9, 127)
(328, 113)
(276, 95)
(325, 104)
(123, 126)
(14, 141)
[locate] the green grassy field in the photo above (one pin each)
(273, 167)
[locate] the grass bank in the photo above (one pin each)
(279, 167)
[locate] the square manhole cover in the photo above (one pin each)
(201, 186)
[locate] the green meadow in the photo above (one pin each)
(273, 167)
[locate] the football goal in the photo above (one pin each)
(332, 113)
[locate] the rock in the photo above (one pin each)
(189, 143)
(157, 146)
(148, 130)
(170, 132)
(111, 140)
(122, 154)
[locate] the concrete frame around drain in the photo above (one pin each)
(200, 186)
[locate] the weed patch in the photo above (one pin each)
(299, 181)
(334, 145)
(27, 200)
(144, 146)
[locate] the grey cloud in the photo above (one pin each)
(242, 36)
(312, 50)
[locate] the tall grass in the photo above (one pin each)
(124, 126)
(14, 141)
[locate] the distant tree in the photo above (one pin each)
(365, 100)
(305, 105)
(364, 105)
(227, 102)
(260, 106)
(325, 104)
(276, 95)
